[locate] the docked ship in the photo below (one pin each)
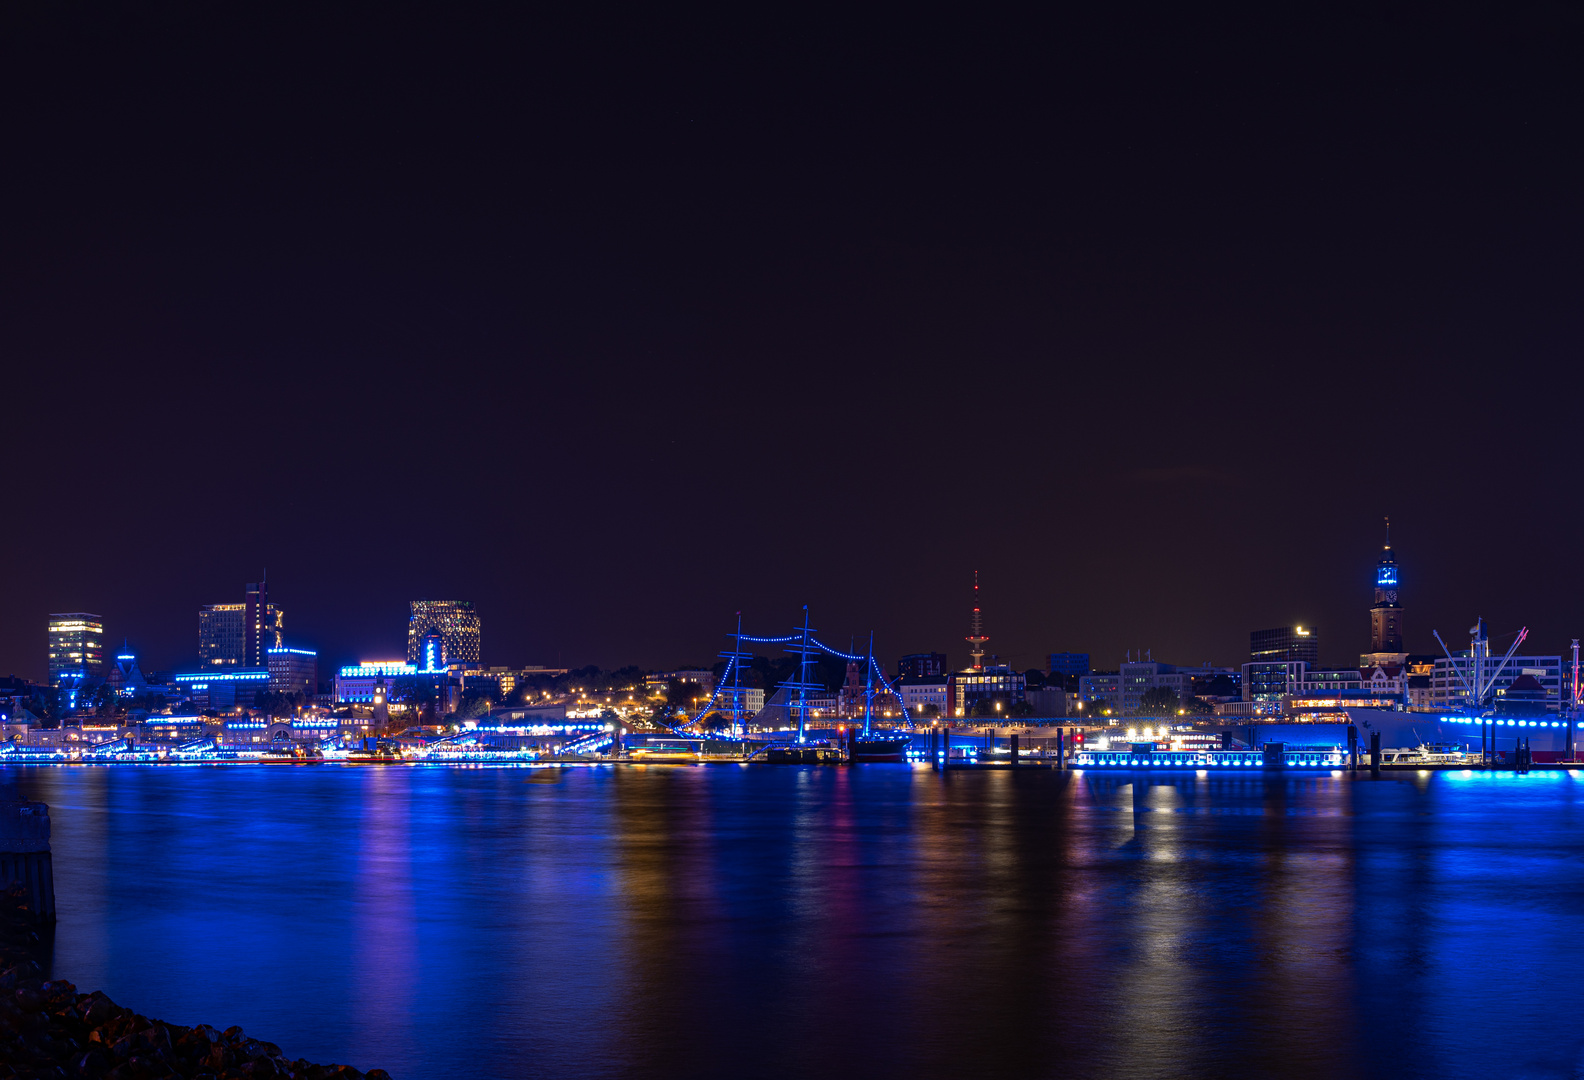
(802, 754)
(880, 747)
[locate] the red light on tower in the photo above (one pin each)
(976, 637)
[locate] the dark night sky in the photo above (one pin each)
(621, 325)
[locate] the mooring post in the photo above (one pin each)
(1353, 751)
(1375, 754)
(946, 746)
(1014, 748)
(25, 850)
(1061, 750)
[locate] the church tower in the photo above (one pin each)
(1386, 639)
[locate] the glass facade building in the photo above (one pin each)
(76, 650)
(1285, 643)
(220, 635)
(454, 620)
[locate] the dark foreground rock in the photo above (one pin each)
(48, 1029)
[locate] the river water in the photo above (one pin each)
(874, 921)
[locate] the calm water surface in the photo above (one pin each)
(731, 921)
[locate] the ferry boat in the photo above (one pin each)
(1426, 754)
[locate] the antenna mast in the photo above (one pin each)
(976, 636)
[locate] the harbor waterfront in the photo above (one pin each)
(869, 920)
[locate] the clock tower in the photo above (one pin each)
(1386, 641)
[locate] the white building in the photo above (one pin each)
(746, 700)
(1140, 677)
(916, 693)
(1446, 688)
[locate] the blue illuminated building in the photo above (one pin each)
(224, 689)
(293, 670)
(431, 653)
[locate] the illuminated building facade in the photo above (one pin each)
(1102, 687)
(746, 700)
(1285, 643)
(362, 684)
(220, 635)
(965, 690)
(1547, 672)
(431, 652)
(293, 671)
(455, 621)
(223, 690)
(76, 651)
(1068, 663)
(1273, 681)
(923, 695)
(125, 677)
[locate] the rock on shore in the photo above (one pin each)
(48, 1029)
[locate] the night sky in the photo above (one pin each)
(618, 326)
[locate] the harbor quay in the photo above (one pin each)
(1357, 740)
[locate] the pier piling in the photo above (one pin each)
(25, 851)
(1375, 754)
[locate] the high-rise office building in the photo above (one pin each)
(240, 635)
(454, 620)
(293, 671)
(220, 635)
(262, 624)
(1069, 663)
(76, 649)
(1285, 643)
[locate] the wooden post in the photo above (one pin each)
(1375, 754)
(1061, 751)
(1353, 751)
(1014, 748)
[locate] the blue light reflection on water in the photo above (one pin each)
(874, 921)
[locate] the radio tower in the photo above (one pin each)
(976, 636)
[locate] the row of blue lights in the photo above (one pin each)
(1195, 764)
(1508, 723)
(230, 676)
(294, 652)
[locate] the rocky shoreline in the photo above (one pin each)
(48, 1029)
